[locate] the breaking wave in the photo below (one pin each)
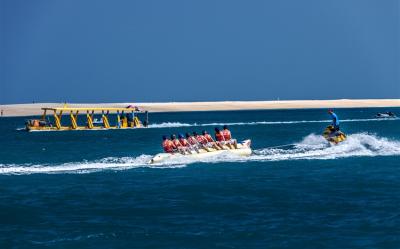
(312, 147)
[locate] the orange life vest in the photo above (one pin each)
(168, 146)
(192, 140)
(227, 134)
(201, 139)
(219, 137)
(177, 143)
(184, 142)
(208, 138)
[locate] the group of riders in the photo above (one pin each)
(192, 142)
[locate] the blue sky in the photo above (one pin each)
(114, 51)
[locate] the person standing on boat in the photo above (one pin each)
(335, 120)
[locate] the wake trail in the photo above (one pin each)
(315, 147)
(312, 147)
(178, 124)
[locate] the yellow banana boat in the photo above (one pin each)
(244, 149)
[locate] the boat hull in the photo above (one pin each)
(244, 149)
(80, 128)
(333, 136)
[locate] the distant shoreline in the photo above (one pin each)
(14, 110)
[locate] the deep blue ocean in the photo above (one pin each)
(94, 189)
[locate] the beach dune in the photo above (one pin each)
(35, 109)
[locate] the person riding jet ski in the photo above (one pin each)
(332, 133)
(335, 120)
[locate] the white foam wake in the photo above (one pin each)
(312, 147)
(170, 124)
(315, 147)
(179, 124)
(110, 163)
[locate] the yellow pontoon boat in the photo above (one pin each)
(125, 118)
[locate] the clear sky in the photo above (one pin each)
(120, 51)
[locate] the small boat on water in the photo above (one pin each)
(333, 136)
(123, 118)
(244, 149)
(385, 115)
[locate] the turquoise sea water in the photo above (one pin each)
(93, 189)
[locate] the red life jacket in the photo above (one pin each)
(208, 138)
(184, 142)
(168, 146)
(192, 140)
(176, 143)
(227, 134)
(201, 139)
(219, 137)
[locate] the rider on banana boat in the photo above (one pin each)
(201, 140)
(192, 142)
(210, 141)
(168, 145)
(228, 137)
(183, 140)
(219, 137)
(181, 148)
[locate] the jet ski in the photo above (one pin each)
(385, 115)
(244, 149)
(333, 136)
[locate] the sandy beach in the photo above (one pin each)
(35, 109)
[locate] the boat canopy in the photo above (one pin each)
(125, 118)
(115, 109)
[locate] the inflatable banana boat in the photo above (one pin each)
(244, 149)
(333, 136)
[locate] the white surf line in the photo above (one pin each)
(177, 124)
